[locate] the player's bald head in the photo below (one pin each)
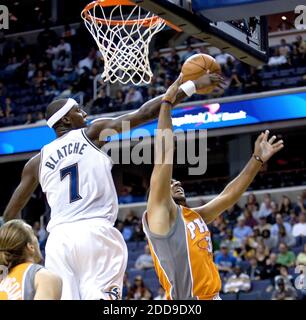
(54, 106)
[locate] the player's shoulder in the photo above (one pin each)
(48, 285)
(35, 159)
(48, 277)
(33, 163)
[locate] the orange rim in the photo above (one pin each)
(147, 22)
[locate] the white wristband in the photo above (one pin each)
(189, 88)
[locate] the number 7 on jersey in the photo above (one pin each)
(73, 172)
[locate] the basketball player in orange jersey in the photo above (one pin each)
(178, 236)
(22, 278)
(83, 244)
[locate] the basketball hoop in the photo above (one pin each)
(123, 31)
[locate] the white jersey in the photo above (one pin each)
(76, 177)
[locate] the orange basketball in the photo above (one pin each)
(198, 65)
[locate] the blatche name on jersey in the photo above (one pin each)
(63, 152)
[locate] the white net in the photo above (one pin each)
(123, 35)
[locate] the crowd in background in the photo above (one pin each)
(279, 174)
(261, 241)
(257, 241)
(59, 66)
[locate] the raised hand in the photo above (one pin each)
(208, 80)
(172, 91)
(265, 148)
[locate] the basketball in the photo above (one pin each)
(198, 65)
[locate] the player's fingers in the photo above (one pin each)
(272, 139)
(179, 80)
(281, 146)
(266, 136)
(176, 83)
(214, 77)
(278, 143)
(222, 84)
(219, 83)
(260, 137)
(173, 89)
(222, 81)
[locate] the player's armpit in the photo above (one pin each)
(48, 286)
(28, 184)
(160, 217)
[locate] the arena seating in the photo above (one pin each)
(258, 287)
(31, 93)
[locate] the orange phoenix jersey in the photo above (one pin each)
(183, 258)
(19, 283)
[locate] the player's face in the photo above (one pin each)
(77, 117)
(177, 192)
(33, 247)
(37, 253)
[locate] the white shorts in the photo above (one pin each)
(90, 256)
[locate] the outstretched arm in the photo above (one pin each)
(28, 184)
(161, 206)
(147, 112)
(264, 150)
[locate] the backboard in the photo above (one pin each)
(245, 38)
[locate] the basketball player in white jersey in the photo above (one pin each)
(83, 246)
